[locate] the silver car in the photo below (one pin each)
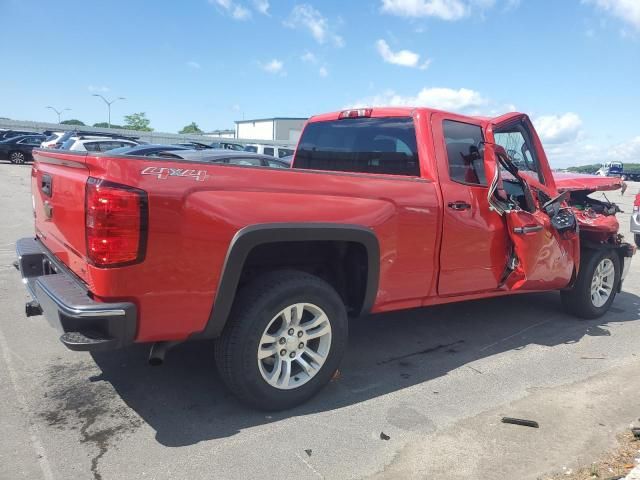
(635, 220)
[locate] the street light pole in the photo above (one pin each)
(58, 112)
(108, 105)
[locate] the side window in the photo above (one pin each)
(276, 164)
(31, 141)
(516, 140)
(268, 151)
(464, 152)
(284, 152)
(92, 146)
(245, 161)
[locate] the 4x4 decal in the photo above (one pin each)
(162, 173)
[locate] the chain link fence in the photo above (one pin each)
(151, 137)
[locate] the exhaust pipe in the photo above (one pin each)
(158, 352)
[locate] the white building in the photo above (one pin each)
(278, 129)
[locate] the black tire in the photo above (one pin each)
(18, 158)
(577, 301)
(254, 308)
(636, 238)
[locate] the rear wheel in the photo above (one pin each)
(596, 285)
(17, 158)
(284, 340)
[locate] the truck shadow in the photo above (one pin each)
(185, 402)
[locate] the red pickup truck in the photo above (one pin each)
(384, 209)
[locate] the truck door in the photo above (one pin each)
(544, 241)
(474, 247)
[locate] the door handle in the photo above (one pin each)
(527, 229)
(459, 206)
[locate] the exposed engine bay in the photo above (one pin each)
(596, 218)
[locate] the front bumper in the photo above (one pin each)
(627, 251)
(85, 325)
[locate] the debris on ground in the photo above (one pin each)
(384, 436)
(615, 465)
(308, 451)
(636, 432)
(521, 421)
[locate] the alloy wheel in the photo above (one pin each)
(294, 346)
(17, 157)
(602, 282)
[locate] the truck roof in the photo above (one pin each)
(400, 112)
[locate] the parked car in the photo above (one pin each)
(52, 140)
(76, 134)
(90, 143)
(195, 145)
(377, 214)
(227, 157)
(635, 219)
(18, 149)
(228, 146)
(146, 150)
(15, 133)
(272, 150)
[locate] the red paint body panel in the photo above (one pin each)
(474, 241)
(576, 181)
(545, 258)
(428, 254)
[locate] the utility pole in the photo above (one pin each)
(108, 105)
(58, 112)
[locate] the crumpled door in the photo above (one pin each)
(543, 259)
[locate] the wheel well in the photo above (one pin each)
(342, 264)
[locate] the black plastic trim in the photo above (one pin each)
(249, 237)
(66, 303)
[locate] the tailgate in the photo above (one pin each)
(58, 181)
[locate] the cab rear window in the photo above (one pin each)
(366, 145)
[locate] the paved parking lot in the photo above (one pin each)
(434, 381)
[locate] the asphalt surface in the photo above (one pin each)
(420, 394)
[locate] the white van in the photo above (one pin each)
(273, 150)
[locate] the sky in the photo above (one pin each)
(572, 65)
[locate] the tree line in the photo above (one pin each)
(135, 121)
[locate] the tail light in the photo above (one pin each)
(116, 223)
(355, 113)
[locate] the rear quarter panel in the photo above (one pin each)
(191, 225)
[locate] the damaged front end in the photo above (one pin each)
(596, 218)
(596, 214)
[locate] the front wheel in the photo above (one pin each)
(596, 285)
(284, 340)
